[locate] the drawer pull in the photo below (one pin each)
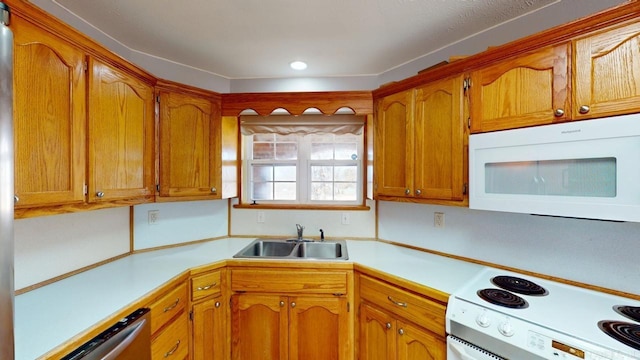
(388, 325)
(217, 304)
(173, 350)
(401, 331)
(172, 306)
(281, 303)
(207, 287)
(402, 304)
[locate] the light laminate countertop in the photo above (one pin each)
(51, 315)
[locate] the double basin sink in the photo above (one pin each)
(295, 249)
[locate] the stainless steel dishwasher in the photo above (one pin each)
(128, 339)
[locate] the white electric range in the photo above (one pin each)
(505, 315)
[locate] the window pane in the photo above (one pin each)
(321, 191)
(262, 151)
(285, 173)
(286, 151)
(346, 173)
(263, 191)
(262, 173)
(263, 137)
(285, 191)
(345, 191)
(321, 151)
(346, 151)
(322, 173)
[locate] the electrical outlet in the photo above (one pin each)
(260, 217)
(438, 219)
(154, 217)
(345, 218)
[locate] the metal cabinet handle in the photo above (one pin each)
(402, 304)
(388, 325)
(173, 350)
(293, 304)
(214, 190)
(418, 192)
(100, 194)
(16, 199)
(217, 304)
(558, 112)
(172, 306)
(584, 109)
(207, 287)
(281, 303)
(401, 331)
(407, 191)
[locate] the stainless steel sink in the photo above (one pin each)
(292, 249)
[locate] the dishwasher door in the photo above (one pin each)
(128, 339)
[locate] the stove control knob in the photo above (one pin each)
(483, 320)
(506, 329)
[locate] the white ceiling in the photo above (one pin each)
(244, 39)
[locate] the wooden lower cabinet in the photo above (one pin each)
(170, 324)
(266, 326)
(208, 322)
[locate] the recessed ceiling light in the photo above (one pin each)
(298, 65)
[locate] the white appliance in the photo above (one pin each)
(585, 169)
(542, 320)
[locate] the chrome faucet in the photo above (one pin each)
(300, 229)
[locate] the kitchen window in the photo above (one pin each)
(306, 160)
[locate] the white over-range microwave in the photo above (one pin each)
(584, 169)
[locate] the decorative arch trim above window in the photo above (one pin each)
(302, 125)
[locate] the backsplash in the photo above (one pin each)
(601, 253)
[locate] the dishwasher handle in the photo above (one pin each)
(127, 341)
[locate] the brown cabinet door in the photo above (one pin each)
(209, 330)
(121, 135)
(259, 326)
(377, 334)
(394, 145)
(318, 328)
(607, 74)
(49, 118)
(439, 140)
(527, 90)
(416, 343)
(189, 139)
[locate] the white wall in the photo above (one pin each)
(596, 252)
(244, 222)
(49, 246)
(179, 222)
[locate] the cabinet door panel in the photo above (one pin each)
(607, 75)
(318, 328)
(394, 145)
(259, 327)
(439, 149)
(377, 334)
(523, 91)
(417, 343)
(121, 123)
(208, 331)
(187, 143)
(49, 118)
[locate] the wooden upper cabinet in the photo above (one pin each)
(190, 162)
(121, 118)
(394, 144)
(606, 72)
(49, 118)
(439, 148)
(527, 90)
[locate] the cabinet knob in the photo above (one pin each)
(100, 194)
(214, 190)
(217, 304)
(584, 109)
(407, 191)
(293, 304)
(388, 325)
(16, 199)
(281, 303)
(558, 112)
(418, 192)
(401, 331)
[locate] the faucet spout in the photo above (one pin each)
(300, 229)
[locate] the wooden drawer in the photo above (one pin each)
(168, 306)
(173, 341)
(289, 281)
(422, 311)
(205, 285)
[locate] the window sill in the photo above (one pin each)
(302, 207)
